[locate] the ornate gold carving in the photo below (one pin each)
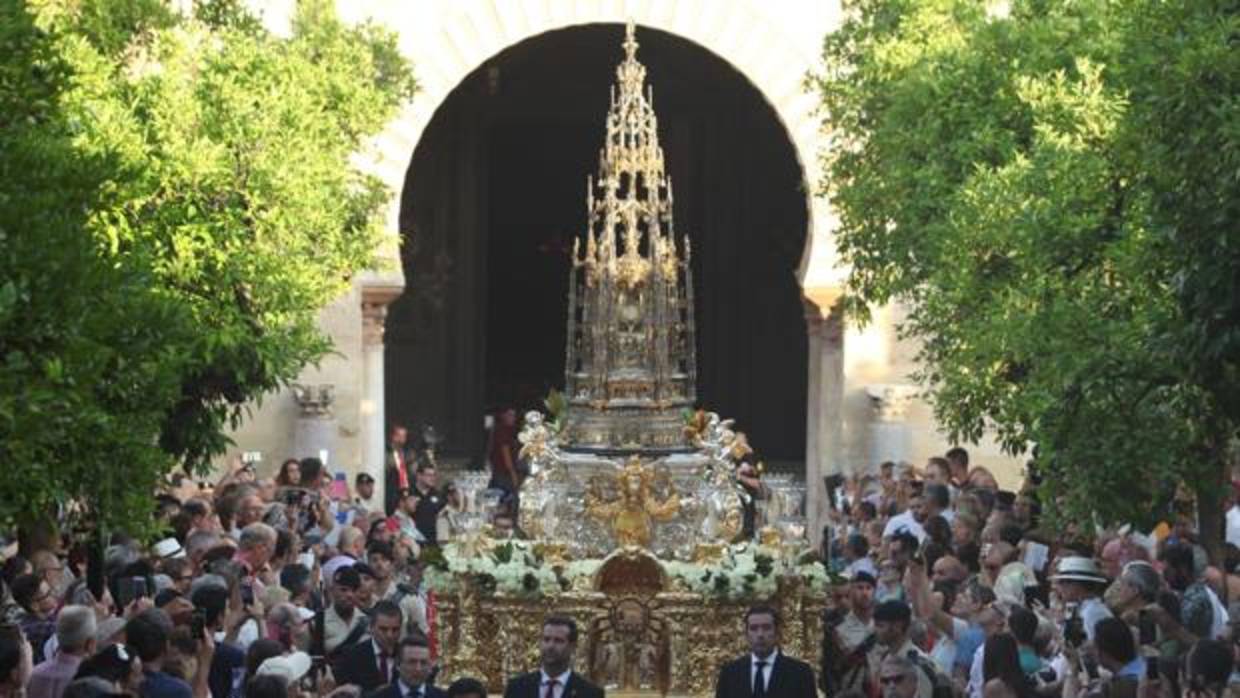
(630, 321)
(634, 634)
(634, 508)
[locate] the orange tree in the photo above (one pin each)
(177, 203)
(1052, 188)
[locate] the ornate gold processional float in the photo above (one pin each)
(633, 512)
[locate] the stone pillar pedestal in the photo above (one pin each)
(314, 434)
(375, 300)
(889, 435)
(823, 449)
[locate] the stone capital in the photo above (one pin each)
(314, 400)
(890, 400)
(822, 300)
(375, 301)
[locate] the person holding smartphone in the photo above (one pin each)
(1117, 653)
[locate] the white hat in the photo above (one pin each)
(1079, 569)
(168, 548)
(331, 566)
(290, 667)
(305, 613)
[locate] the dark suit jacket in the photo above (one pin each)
(392, 690)
(357, 665)
(391, 479)
(528, 685)
(789, 678)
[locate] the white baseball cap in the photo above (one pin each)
(290, 667)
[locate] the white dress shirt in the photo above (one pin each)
(767, 668)
(407, 691)
(561, 682)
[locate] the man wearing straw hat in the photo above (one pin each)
(1079, 582)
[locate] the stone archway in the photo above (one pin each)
(494, 201)
(455, 38)
(466, 34)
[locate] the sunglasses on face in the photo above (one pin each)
(891, 680)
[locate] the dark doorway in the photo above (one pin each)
(496, 193)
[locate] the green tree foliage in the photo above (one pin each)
(1051, 188)
(177, 203)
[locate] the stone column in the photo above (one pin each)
(315, 431)
(375, 300)
(823, 451)
(889, 436)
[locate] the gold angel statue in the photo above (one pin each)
(633, 511)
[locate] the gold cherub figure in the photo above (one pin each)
(633, 512)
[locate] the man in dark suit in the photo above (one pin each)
(372, 663)
(765, 672)
(396, 469)
(555, 678)
(414, 669)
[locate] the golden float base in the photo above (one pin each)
(638, 635)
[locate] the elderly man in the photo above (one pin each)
(255, 547)
(289, 625)
(52, 570)
(899, 677)
(249, 510)
(1136, 587)
(948, 570)
(75, 639)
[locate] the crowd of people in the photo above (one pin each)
(300, 585)
(263, 588)
(954, 588)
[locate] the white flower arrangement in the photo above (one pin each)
(746, 572)
(513, 568)
(510, 568)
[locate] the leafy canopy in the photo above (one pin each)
(1051, 188)
(177, 203)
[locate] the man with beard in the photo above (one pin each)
(555, 677)
(909, 520)
(848, 636)
(342, 622)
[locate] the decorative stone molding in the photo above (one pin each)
(374, 318)
(769, 44)
(375, 301)
(890, 401)
(314, 400)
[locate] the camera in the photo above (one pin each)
(1074, 631)
(130, 589)
(198, 624)
(1146, 630)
